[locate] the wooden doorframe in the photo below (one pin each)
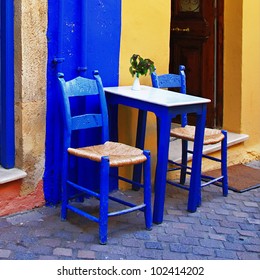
(217, 99)
(219, 62)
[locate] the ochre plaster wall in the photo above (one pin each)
(250, 103)
(30, 89)
(241, 76)
(145, 31)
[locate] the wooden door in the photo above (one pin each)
(196, 42)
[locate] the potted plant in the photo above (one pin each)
(140, 66)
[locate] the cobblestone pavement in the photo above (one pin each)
(222, 228)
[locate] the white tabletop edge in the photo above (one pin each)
(157, 96)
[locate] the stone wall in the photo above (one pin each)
(30, 89)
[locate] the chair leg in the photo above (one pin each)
(104, 191)
(224, 164)
(64, 188)
(147, 191)
(184, 160)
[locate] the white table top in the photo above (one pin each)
(157, 96)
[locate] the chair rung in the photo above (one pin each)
(78, 187)
(118, 200)
(177, 185)
(206, 156)
(82, 213)
(210, 181)
(125, 211)
(130, 181)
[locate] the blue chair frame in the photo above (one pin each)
(169, 81)
(77, 121)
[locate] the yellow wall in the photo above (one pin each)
(250, 113)
(146, 31)
(241, 76)
(232, 65)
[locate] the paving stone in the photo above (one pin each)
(180, 248)
(247, 233)
(217, 236)
(224, 254)
(25, 217)
(142, 235)
(248, 256)
(221, 211)
(174, 256)
(234, 246)
(52, 242)
(196, 233)
(5, 254)
(62, 252)
(228, 224)
(253, 227)
(131, 243)
(207, 222)
(252, 248)
(189, 240)
(251, 204)
(240, 214)
(153, 245)
(253, 221)
(211, 243)
(189, 220)
(83, 254)
(199, 250)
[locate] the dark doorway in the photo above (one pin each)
(196, 41)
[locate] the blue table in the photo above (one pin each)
(165, 105)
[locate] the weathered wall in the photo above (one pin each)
(30, 89)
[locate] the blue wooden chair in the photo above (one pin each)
(104, 153)
(187, 133)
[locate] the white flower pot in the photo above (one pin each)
(136, 84)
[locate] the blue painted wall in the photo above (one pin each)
(82, 36)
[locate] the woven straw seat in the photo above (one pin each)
(119, 154)
(211, 136)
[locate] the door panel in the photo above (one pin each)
(193, 41)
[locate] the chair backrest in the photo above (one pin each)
(171, 81)
(83, 105)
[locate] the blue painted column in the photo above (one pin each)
(7, 138)
(82, 36)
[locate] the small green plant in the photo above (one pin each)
(140, 66)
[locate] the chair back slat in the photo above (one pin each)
(83, 105)
(171, 81)
(86, 121)
(167, 81)
(81, 87)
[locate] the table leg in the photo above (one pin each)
(161, 168)
(140, 139)
(195, 181)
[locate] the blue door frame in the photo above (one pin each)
(7, 141)
(82, 36)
